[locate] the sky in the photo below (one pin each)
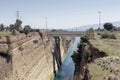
(59, 13)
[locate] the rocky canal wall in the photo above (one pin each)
(28, 57)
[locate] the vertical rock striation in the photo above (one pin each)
(27, 57)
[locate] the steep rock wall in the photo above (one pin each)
(24, 59)
(5, 66)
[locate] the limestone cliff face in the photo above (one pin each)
(5, 66)
(28, 57)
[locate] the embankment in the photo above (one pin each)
(28, 57)
(85, 54)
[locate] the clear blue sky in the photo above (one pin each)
(60, 13)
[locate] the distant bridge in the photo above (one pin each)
(66, 33)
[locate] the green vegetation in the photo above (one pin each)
(27, 29)
(103, 68)
(14, 32)
(108, 40)
(35, 41)
(18, 25)
(21, 48)
(1, 27)
(5, 33)
(82, 48)
(11, 27)
(75, 53)
(14, 29)
(109, 35)
(97, 72)
(107, 44)
(89, 33)
(108, 26)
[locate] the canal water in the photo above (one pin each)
(67, 69)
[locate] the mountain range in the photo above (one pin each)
(94, 26)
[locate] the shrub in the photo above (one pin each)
(84, 39)
(112, 36)
(20, 48)
(108, 35)
(87, 55)
(14, 32)
(104, 35)
(35, 41)
(27, 29)
(98, 33)
(89, 33)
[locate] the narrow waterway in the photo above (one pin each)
(67, 68)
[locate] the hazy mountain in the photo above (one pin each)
(94, 26)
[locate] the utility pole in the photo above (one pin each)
(17, 14)
(46, 22)
(99, 19)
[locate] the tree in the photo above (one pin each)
(27, 29)
(108, 26)
(12, 27)
(1, 27)
(6, 28)
(14, 32)
(18, 25)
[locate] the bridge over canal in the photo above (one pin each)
(66, 33)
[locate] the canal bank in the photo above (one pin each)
(85, 56)
(67, 68)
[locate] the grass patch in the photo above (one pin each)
(118, 35)
(5, 33)
(109, 52)
(97, 72)
(110, 46)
